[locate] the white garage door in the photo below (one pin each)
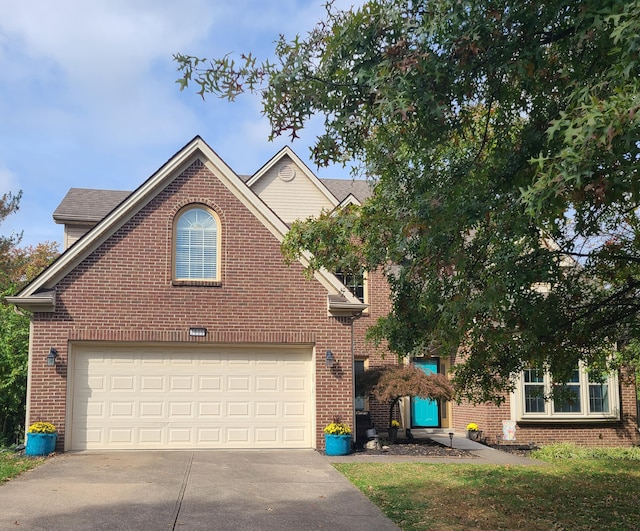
(188, 397)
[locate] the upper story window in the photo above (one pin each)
(585, 396)
(197, 245)
(355, 283)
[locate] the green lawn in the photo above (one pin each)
(568, 493)
(12, 464)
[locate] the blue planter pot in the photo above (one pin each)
(337, 444)
(41, 443)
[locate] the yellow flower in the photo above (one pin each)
(337, 428)
(395, 424)
(42, 427)
(472, 426)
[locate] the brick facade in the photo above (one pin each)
(123, 292)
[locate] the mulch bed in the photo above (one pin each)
(523, 450)
(417, 448)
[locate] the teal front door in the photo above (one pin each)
(425, 413)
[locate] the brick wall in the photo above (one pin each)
(123, 292)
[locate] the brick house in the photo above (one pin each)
(172, 321)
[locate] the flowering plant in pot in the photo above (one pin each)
(41, 438)
(42, 427)
(473, 431)
(337, 428)
(337, 438)
(393, 430)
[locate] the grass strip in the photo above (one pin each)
(582, 494)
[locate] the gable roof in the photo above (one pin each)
(39, 295)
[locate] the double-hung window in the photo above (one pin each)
(585, 396)
(355, 283)
(196, 245)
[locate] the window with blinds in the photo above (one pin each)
(196, 245)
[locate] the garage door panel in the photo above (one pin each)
(294, 434)
(125, 359)
(152, 383)
(151, 410)
(210, 409)
(267, 383)
(209, 436)
(180, 436)
(237, 409)
(238, 360)
(150, 435)
(180, 409)
(295, 409)
(181, 383)
(121, 383)
(294, 383)
(146, 398)
(94, 410)
(210, 383)
(120, 436)
(95, 382)
(122, 409)
(266, 435)
(267, 409)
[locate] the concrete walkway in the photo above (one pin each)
(485, 454)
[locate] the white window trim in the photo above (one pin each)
(191, 280)
(518, 400)
(365, 288)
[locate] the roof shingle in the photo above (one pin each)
(88, 205)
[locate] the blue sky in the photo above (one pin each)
(88, 97)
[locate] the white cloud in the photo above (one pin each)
(88, 94)
(8, 181)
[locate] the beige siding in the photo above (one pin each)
(72, 233)
(291, 195)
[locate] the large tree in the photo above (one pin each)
(18, 265)
(502, 137)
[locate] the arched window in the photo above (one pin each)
(196, 245)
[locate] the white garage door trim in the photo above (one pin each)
(176, 396)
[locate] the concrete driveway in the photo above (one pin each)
(184, 490)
